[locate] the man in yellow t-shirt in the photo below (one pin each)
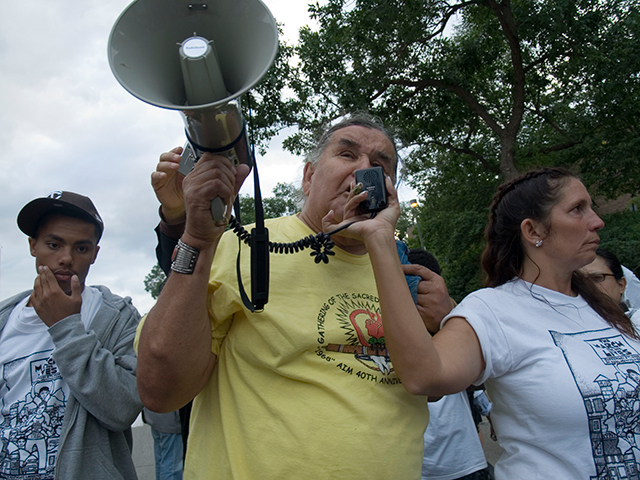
(305, 388)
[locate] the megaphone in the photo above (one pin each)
(197, 58)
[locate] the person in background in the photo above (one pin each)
(452, 448)
(606, 272)
(67, 366)
(631, 294)
(166, 430)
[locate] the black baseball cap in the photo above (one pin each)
(63, 203)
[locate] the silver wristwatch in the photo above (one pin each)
(184, 258)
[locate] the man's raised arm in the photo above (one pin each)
(174, 350)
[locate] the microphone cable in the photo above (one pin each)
(320, 244)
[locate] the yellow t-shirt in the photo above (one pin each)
(304, 389)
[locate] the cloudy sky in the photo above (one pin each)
(67, 124)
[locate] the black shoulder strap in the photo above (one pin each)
(259, 246)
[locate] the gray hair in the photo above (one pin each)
(362, 120)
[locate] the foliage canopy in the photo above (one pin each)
(477, 91)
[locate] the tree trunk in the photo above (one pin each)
(507, 157)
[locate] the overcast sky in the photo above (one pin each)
(67, 124)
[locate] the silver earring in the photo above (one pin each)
(539, 243)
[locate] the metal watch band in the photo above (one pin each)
(184, 258)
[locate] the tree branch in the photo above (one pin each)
(508, 24)
(556, 148)
(467, 151)
(453, 9)
(546, 119)
(460, 92)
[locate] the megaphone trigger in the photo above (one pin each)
(219, 212)
(188, 159)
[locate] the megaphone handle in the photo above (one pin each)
(218, 209)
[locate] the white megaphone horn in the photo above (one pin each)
(198, 58)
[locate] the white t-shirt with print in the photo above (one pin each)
(563, 383)
(33, 394)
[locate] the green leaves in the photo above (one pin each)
(154, 281)
(286, 200)
(477, 91)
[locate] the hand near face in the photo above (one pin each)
(383, 223)
(167, 184)
(50, 302)
(434, 302)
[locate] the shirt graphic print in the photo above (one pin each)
(358, 315)
(605, 367)
(30, 425)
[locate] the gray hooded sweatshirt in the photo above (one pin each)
(99, 366)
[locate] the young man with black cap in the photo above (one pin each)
(67, 367)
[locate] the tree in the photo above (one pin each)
(622, 237)
(405, 223)
(154, 281)
(477, 91)
(513, 83)
(286, 200)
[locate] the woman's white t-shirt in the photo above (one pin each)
(563, 383)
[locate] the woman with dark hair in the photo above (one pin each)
(607, 274)
(553, 351)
